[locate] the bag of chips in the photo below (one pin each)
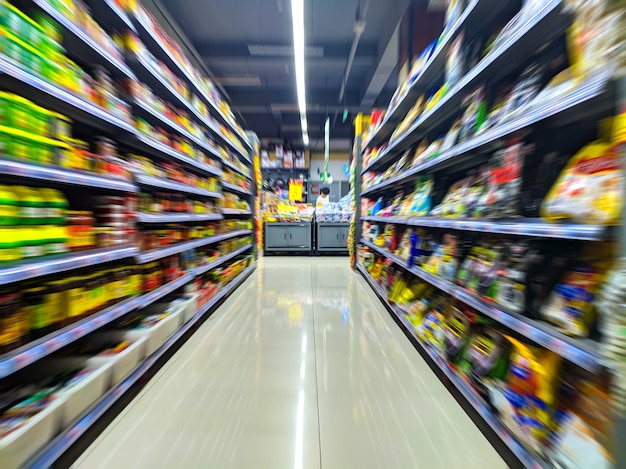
(590, 188)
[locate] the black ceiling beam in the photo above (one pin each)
(318, 98)
(285, 50)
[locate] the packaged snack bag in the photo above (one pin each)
(590, 188)
(571, 305)
(531, 389)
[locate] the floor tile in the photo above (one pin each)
(301, 367)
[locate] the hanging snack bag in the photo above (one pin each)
(502, 198)
(421, 203)
(590, 188)
(456, 334)
(510, 286)
(571, 305)
(532, 379)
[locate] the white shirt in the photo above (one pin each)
(321, 201)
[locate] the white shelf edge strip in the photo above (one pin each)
(232, 188)
(515, 446)
(186, 246)
(221, 260)
(187, 105)
(236, 168)
(144, 180)
(234, 211)
(63, 262)
(528, 228)
(177, 217)
(587, 359)
(65, 176)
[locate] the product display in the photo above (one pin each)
(484, 222)
(129, 217)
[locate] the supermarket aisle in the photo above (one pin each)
(301, 368)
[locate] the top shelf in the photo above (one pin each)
(79, 44)
(526, 37)
(160, 50)
(110, 15)
(433, 69)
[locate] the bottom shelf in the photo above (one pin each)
(56, 449)
(525, 457)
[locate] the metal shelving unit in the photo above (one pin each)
(91, 119)
(155, 45)
(535, 228)
(593, 98)
(70, 436)
(521, 453)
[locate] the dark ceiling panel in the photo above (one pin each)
(261, 84)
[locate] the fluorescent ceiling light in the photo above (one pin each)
(297, 18)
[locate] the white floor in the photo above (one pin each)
(302, 367)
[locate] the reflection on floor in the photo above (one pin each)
(302, 367)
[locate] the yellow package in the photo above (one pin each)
(590, 188)
(533, 374)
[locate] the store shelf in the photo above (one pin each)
(159, 119)
(110, 15)
(149, 145)
(523, 40)
(177, 217)
(267, 168)
(161, 52)
(81, 46)
(160, 253)
(51, 453)
(235, 211)
(521, 453)
(475, 11)
(148, 74)
(149, 298)
(34, 351)
(62, 263)
(236, 168)
(63, 176)
(221, 260)
(15, 79)
(152, 77)
(583, 353)
(524, 227)
(584, 95)
(158, 183)
(236, 189)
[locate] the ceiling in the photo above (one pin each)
(248, 47)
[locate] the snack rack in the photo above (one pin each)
(214, 146)
(599, 95)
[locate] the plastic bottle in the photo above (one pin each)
(31, 204)
(56, 206)
(9, 206)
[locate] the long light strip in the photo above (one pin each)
(297, 18)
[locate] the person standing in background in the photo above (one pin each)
(323, 198)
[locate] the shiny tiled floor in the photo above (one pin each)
(302, 367)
